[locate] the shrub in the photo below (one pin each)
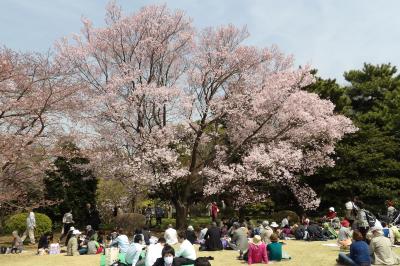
(278, 216)
(130, 221)
(18, 222)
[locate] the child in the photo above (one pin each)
(344, 237)
(274, 248)
(386, 230)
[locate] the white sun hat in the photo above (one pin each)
(274, 224)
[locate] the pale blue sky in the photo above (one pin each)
(332, 35)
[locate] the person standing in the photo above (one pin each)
(351, 212)
(148, 212)
(159, 214)
(361, 220)
(30, 228)
(67, 221)
(391, 210)
(92, 216)
(214, 211)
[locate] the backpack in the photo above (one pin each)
(371, 219)
(256, 231)
(299, 233)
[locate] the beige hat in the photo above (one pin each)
(256, 239)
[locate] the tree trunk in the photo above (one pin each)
(181, 214)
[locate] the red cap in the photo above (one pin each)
(345, 223)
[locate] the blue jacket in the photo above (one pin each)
(359, 252)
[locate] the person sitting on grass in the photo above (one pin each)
(257, 252)
(202, 261)
(386, 230)
(186, 249)
(203, 231)
(93, 247)
(91, 234)
(146, 235)
(121, 241)
(266, 232)
(170, 235)
(344, 236)
(381, 249)
(359, 252)
(44, 243)
(154, 251)
(168, 258)
(17, 243)
(395, 233)
(274, 248)
(239, 240)
(191, 235)
(72, 246)
(68, 235)
(133, 252)
(213, 238)
(54, 247)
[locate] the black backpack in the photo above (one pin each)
(371, 219)
(299, 233)
(3, 250)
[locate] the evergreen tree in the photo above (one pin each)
(71, 184)
(367, 162)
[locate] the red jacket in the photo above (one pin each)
(331, 215)
(257, 253)
(214, 210)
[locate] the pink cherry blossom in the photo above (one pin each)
(183, 112)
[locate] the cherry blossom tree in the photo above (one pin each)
(33, 95)
(189, 112)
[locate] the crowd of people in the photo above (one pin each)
(363, 239)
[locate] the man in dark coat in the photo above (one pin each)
(213, 238)
(92, 217)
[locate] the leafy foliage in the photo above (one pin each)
(18, 222)
(367, 162)
(72, 184)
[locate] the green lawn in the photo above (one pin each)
(303, 253)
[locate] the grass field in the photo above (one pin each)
(302, 253)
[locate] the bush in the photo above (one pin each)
(18, 222)
(278, 216)
(130, 221)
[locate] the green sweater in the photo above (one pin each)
(274, 251)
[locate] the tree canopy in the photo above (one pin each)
(367, 163)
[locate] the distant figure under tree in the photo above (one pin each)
(214, 211)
